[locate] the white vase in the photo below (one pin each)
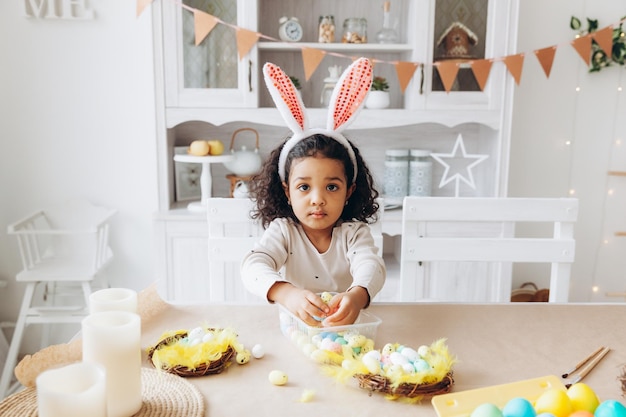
(377, 100)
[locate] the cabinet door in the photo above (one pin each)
(209, 74)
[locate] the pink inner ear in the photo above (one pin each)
(287, 93)
(352, 93)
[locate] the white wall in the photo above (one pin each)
(77, 119)
(549, 112)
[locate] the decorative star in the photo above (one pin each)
(462, 163)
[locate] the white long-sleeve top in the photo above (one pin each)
(285, 253)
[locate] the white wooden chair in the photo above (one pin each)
(463, 249)
(63, 250)
(232, 233)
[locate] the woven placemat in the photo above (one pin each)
(163, 395)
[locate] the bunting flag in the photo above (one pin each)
(604, 38)
(246, 39)
(311, 58)
(546, 57)
(447, 72)
(141, 5)
(405, 71)
(204, 24)
(481, 69)
(514, 64)
(582, 45)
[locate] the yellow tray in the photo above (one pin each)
(462, 403)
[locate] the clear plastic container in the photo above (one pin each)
(354, 30)
(326, 29)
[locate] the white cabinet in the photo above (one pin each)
(198, 99)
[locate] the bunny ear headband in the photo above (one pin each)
(345, 102)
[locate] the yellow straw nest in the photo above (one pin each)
(390, 372)
(176, 353)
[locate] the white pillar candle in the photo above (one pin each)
(75, 390)
(123, 299)
(112, 338)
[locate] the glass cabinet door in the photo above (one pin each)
(209, 74)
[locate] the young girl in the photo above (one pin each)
(314, 196)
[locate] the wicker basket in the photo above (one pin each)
(208, 368)
(382, 384)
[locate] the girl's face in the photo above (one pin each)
(318, 191)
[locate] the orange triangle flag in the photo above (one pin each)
(204, 24)
(546, 57)
(604, 38)
(583, 47)
(514, 64)
(405, 71)
(141, 5)
(447, 72)
(311, 59)
(481, 69)
(245, 41)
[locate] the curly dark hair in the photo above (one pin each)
(267, 191)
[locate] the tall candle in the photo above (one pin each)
(123, 299)
(112, 338)
(75, 390)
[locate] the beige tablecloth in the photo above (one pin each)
(495, 344)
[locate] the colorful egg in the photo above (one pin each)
(486, 410)
(583, 397)
(610, 408)
(258, 351)
(554, 401)
(518, 407)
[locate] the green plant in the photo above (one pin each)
(296, 82)
(380, 84)
(599, 58)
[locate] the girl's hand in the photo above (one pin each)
(304, 304)
(346, 307)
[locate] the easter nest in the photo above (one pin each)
(380, 383)
(218, 363)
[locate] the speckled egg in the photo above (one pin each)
(277, 377)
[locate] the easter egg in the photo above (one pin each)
(583, 397)
(581, 413)
(257, 351)
(518, 407)
(372, 364)
(410, 354)
(610, 408)
(487, 410)
(554, 401)
(277, 377)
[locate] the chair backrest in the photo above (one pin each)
(232, 233)
(462, 249)
(74, 231)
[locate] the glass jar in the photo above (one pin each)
(420, 173)
(396, 177)
(326, 29)
(354, 30)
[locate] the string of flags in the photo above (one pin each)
(312, 57)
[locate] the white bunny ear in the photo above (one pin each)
(349, 94)
(286, 98)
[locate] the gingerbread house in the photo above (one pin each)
(457, 40)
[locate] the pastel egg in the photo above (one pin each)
(207, 337)
(258, 351)
(410, 354)
(423, 351)
(398, 359)
(421, 365)
(408, 368)
(610, 408)
(277, 377)
(372, 365)
(518, 407)
(486, 410)
(374, 354)
(196, 333)
(388, 348)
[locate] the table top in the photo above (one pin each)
(495, 344)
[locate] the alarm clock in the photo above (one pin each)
(290, 29)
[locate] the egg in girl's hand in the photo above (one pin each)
(487, 410)
(277, 377)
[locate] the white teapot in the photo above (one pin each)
(245, 162)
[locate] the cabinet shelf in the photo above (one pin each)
(336, 47)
